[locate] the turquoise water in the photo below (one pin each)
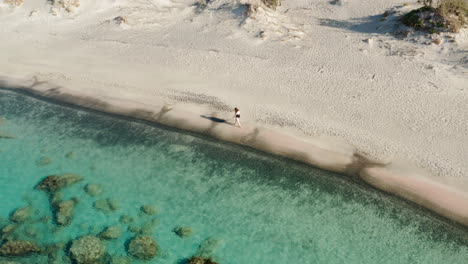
(254, 208)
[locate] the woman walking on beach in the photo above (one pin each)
(237, 117)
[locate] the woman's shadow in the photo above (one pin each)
(216, 119)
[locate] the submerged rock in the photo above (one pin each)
(87, 250)
(126, 219)
(200, 260)
(107, 205)
(113, 204)
(183, 231)
(44, 161)
(143, 247)
(69, 179)
(93, 189)
(112, 232)
(56, 198)
(21, 214)
(52, 251)
(64, 212)
(134, 229)
(8, 229)
(6, 135)
(102, 205)
(18, 249)
(149, 209)
(70, 155)
(147, 228)
(208, 247)
(54, 183)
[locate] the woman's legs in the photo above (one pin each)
(237, 122)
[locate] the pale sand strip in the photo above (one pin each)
(409, 185)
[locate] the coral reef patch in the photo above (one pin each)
(54, 183)
(87, 250)
(18, 248)
(142, 247)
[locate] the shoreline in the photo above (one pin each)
(342, 158)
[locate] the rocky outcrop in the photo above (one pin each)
(8, 229)
(126, 219)
(142, 247)
(112, 232)
(183, 231)
(52, 251)
(146, 228)
(87, 250)
(149, 209)
(119, 20)
(55, 198)
(208, 247)
(44, 161)
(18, 249)
(134, 229)
(63, 211)
(200, 260)
(21, 214)
(54, 183)
(68, 179)
(93, 189)
(107, 205)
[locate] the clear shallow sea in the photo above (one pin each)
(257, 208)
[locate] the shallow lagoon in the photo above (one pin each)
(253, 208)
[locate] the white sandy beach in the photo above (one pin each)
(315, 69)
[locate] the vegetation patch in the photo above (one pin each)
(68, 5)
(14, 2)
(271, 3)
(435, 17)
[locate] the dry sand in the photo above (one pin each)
(323, 71)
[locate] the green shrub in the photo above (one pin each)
(417, 18)
(271, 3)
(438, 16)
(455, 12)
